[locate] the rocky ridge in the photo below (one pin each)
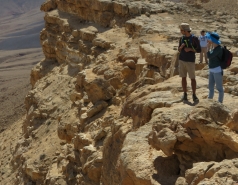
(104, 106)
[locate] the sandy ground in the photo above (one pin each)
(15, 67)
(20, 50)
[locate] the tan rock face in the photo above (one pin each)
(198, 137)
(98, 89)
(105, 102)
(233, 123)
(48, 6)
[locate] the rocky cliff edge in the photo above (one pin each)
(105, 101)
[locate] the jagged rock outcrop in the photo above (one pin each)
(105, 102)
(198, 133)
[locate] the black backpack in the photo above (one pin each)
(226, 58)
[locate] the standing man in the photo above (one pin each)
(188, 46)
(203, 43)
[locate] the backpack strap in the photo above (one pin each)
(190, 41)
(182, 38)
(222, 47)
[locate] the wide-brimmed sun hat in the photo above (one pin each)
(185, 27)
(214, 37)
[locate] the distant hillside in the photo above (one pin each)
(21, 23)
(15, 7)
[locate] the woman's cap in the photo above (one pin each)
(214, 37)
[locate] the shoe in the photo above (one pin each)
(184, 97)
(195, 98)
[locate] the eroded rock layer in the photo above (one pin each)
(105, 101)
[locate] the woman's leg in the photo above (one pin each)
(219, 85)
(211, 84)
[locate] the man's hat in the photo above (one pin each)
(185, 27)
(214, 37)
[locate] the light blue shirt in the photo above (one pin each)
(203, 41)
(216, 69)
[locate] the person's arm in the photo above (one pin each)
(196, 45)
(189, 49)
(208, 45)
(213, 53)
(181, 45)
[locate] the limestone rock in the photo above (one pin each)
(98, 89)
(120, 8)
(203, 171)
(81, 140)
(48, 6)
(130, 63)
(100, 105)
(152, 55)
(105, 105)
(165, 140)
(145, 105)
(88, 34)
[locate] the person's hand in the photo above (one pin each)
(181, 47)
(187, 49)
(209, 43)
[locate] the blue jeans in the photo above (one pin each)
(216, 78)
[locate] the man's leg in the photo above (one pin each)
(194, 85)
(184, 84)
(205, 53)
(201, 56)
(191, 73)
(183, 75)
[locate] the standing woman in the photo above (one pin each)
(214, 55)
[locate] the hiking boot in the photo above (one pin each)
(195, 98)
(184, 97)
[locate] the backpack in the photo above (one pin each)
(226, 58)
(191, 39)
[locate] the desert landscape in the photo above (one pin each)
(90, 94)
(20, 49)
